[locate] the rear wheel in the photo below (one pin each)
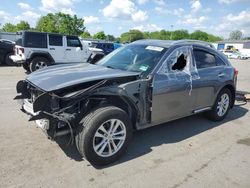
(221, 106)
(38, 63)
(104, 135)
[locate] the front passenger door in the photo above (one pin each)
(172, 87)
(74, 50)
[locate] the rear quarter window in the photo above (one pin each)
(204, 59)
(35, 40)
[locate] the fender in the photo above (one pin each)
(41, 54)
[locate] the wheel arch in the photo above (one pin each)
(42, 54)
(122, 102)
(232, 89)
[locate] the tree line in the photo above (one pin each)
(72, 25)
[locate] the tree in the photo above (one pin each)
(8, 27)
(22, 25)
(212, 38)
(100, 35)
(199, 35)
(236, 35)
(61, 23)
(179, 34)
(86, 35)
(131, 36)
(110, 37)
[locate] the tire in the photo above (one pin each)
(38, 63)
(9, 61)
(26, 67)
(215, 114)
(87, 137)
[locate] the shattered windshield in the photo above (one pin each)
(137, 58)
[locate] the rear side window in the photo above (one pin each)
(35, 40)
(55, 40)
(204, 59)
(73, 42)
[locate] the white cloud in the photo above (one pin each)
(91, 19)
(29, 16)
(65, 6)
(195, 5)
(24, 6)
(120, 28)
(176, 12)
(124, 9)
(4, 16)
(141, 2)
(148, 27)
(240, 21)
(159, 2)
(230, 1)
(139, 16)
(195, 22)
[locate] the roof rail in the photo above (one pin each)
(207, 44)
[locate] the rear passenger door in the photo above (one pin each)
(211, 71)
(56, 48)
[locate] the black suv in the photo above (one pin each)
(6, 50)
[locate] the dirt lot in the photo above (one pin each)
(191, 152)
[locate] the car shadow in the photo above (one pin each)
(172, 132)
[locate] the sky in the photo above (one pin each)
(114, 17)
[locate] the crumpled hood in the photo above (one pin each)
(64, 75)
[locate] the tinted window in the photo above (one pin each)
(73, 42)
(204, 59)
(35, 40)
(55, 40)
(219, 61)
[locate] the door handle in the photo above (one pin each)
(52, 48)
(68, 49)
(221, 75)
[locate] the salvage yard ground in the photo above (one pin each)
(191, 152)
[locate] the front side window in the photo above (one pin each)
(55, 40)
(73, 42)
(179, 62)
(204, 59)
(137, 58)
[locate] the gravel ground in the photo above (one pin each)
(190, 152)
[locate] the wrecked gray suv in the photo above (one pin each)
(140, 85)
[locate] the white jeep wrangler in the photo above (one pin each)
(35, 50)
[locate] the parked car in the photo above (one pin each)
(95, 54)
(237, 55)
(140, 85)
(107, 47)
(227, 53)
(36, 50)
(6, 50)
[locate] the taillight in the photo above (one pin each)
(236, 72)
(22, 50)
(14, 48)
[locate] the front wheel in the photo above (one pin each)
(38, 63)
(221, 106)
(104, 135)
